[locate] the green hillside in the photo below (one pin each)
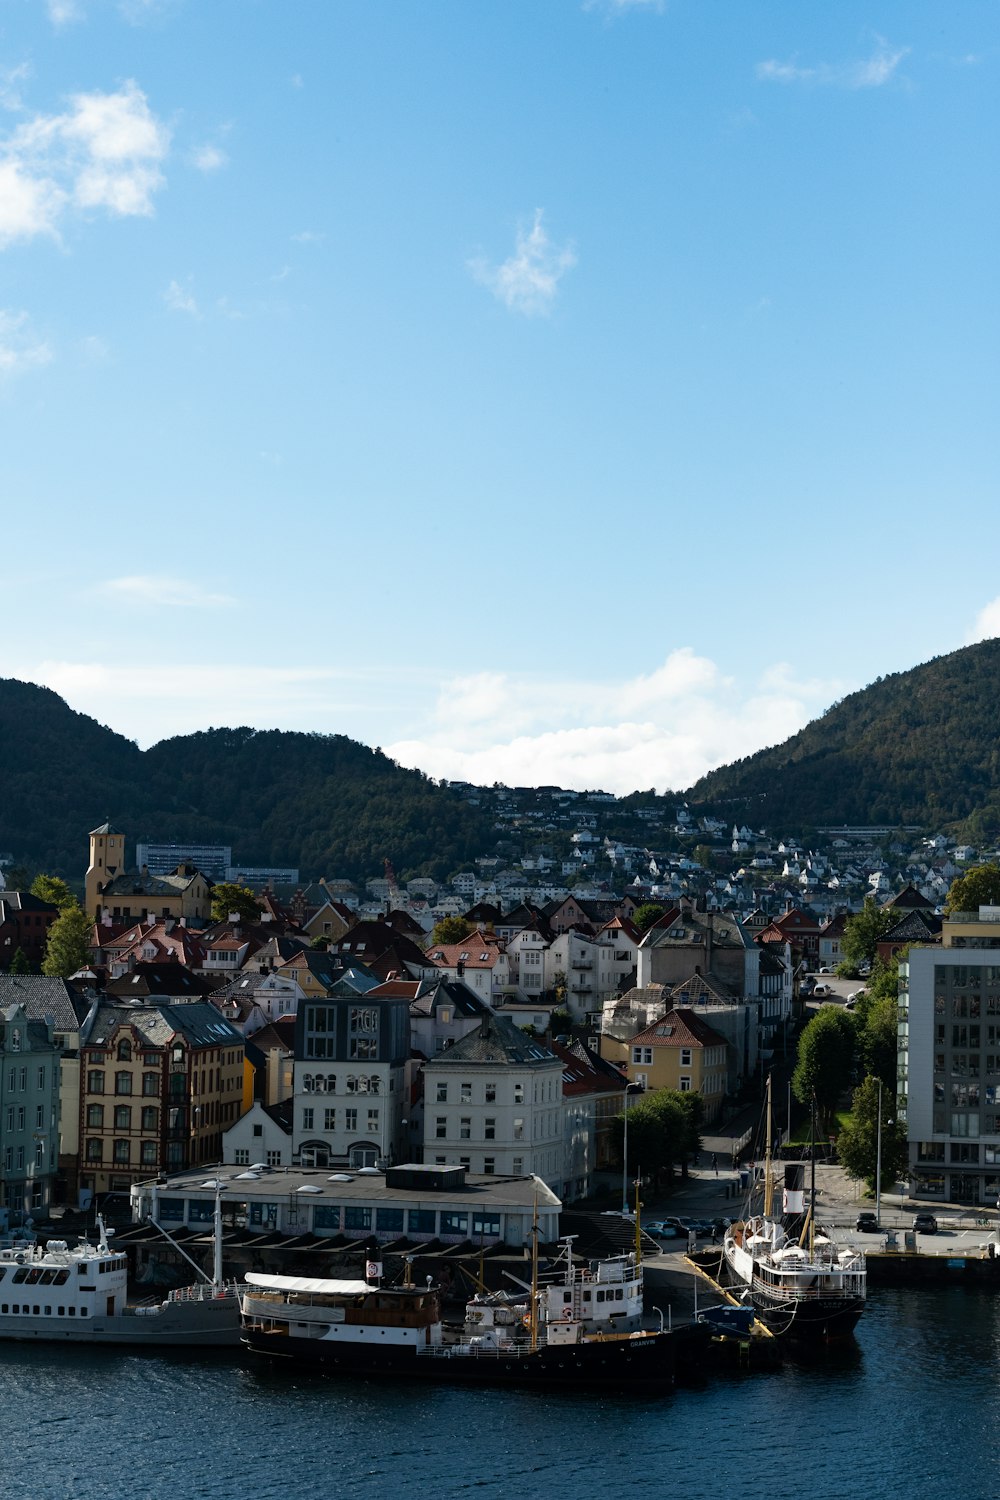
(920, 747)
(321, 802)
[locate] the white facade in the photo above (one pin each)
(501, 1119)
(257, 1139)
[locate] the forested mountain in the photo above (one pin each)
(920, 747)
(321, 802)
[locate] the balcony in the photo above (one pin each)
(582, 963)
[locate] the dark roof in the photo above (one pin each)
(198, 1022)
(445, 991)
(106, 828)
(914, 926)
(170, 980)
(42, 997)
(140, 883)
(496, 1040)
(25, 901)
(680, 1028)
(909, 899)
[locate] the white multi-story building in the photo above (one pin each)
(493, 1103)
(948, 1091)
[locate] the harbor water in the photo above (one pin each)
(913, 1412)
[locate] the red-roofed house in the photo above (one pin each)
(680, 1052)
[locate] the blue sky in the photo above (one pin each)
(545, 391)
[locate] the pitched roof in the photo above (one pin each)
(198, 1022)
(495, 1041)
(680, 1028)
(170, 980)
(41, 997)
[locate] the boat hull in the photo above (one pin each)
(212, 1323)
(647, 1360)
(813, 1319)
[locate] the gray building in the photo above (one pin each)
(163, 859)
(29, 1111)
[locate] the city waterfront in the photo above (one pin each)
(914, 1408)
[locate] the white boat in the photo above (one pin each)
(79, 1295)
(800, 1282)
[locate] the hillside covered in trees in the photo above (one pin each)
(321, 802)
(919, 747)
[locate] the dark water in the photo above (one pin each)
(914, 1415)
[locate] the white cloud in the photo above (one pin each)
(209, 158)
(664, 729)
(162, 592)
(309, 237)
(10, 85)
(104, 152)
(297, 81)
(618, 7)
(20, 349)
(179, 300)
(986, 624)
(63, 12)
(865, 73)
(93, 350)
(527, 282)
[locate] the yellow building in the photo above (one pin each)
(680, 1052)
(129, 894)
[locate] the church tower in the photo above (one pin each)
(107, 859)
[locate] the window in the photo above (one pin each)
(489, 1128)
(642, 1055)
(519, 1093)
(258, 1130)
(373, 1122)
(125, 1050)
(95, 1081)
(685, 1083)
(389, 1220)
(685, 1057)
(123, 1083)
(150, 1118)
(491, 1093)
(151, 1059)
(518, 1129)
(350, 1119)
(95, 1150)
(20, 1117)
(147, 1153)
(241, 1157)
(441, 1128)
(263, 1214)
(465, 1093)
(489, 1165)
(150, 1083)
(121, 1153)
(329, 1119)
(441, 1096)
(95, 1116)
(307, 1119)
(357, 1218)
(41, 1078)
(465, 1128)
(454, 1223)
(517, 1166)
(422, 1221)
(273, 1158)
(123, 1117)
(485, 1224)
(39, 1117)
(326, 1216)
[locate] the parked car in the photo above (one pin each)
(867, 1222)
(821, 990)
(925, 1224)
(661, 1231)
(824, 971)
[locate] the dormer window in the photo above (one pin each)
(124, 1050)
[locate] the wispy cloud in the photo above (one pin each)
(180, 300)
(864, 73)
(104, 152)
(664, 729)
(209, 158)
(619, 7)
(11, 80)
(986, 624)
(297, 81)
(93, 350)
(527, 281)
(163, 592)
(64, 12)
(308, 237)
(20, 348)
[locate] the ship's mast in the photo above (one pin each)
(768, 1184)
(534, 1278)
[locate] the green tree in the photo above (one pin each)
(229, 898)
(54, 889)
(450, 930)
(560, 1020)
(979, 886)
(644, 916)
(875, 1020)
(68, 947)
(704, 855)
(857, 1144)
(19, 963)
(862, 933)
(825, 1061)
(663, 1132)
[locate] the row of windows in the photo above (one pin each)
(17, 1079)
(465, 1093)
(330, 1120)
(121, 1152)
(335, 1217)
(149, 1117)
(17, 1117)
(354, 1083)
(36, 1311)
(13, 1157)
